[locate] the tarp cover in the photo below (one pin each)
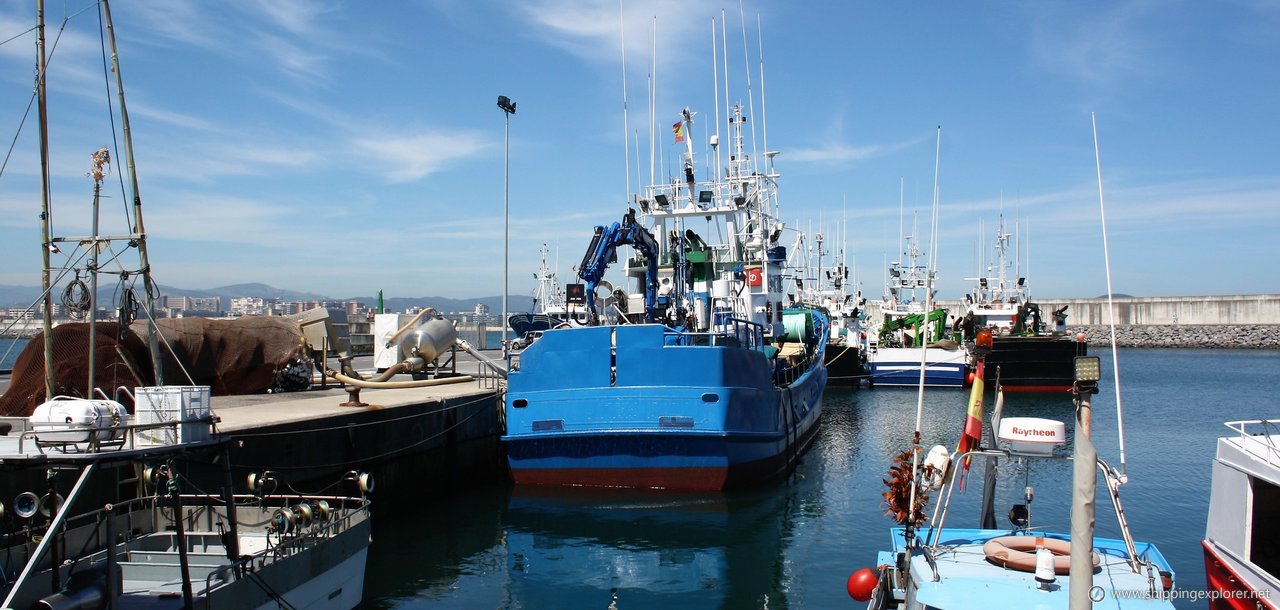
(241, 356)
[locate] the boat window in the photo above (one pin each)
(1264, 543)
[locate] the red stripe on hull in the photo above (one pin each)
(1234, 593)
(684, 479)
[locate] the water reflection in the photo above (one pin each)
(791, 544)
(589, 548)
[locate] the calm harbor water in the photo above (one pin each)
(792, 544)
(9, 349)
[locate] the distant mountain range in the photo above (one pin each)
(23, 296)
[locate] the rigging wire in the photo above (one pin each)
(14, 143)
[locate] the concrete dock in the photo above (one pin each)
(410, 439)
(440, 435)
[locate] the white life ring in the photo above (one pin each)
(1019, 553)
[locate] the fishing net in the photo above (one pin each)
(118, 361)
(242, 356)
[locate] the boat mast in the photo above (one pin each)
(45, 245)
(1111, 310)
(139, 232)
(100, 161)
(924, 346)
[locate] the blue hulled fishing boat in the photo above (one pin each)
(705, 374)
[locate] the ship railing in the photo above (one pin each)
(729, 332)
(97, 439)
(953, 475)
(108, 531)
(1259, 437)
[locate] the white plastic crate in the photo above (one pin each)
(162, 404)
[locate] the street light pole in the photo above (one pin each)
(508, 108)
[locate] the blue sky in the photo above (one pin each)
(343, 148)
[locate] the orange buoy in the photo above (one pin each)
(862, 584)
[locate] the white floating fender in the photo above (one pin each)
(936, 464)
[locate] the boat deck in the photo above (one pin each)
(965, 579)
(251, 412)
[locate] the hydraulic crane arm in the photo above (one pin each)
(604, 250)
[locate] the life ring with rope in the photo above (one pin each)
(1019, 553)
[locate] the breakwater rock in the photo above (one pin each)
(1189, 336)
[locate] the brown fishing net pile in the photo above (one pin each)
(116, 363)
(242, 356)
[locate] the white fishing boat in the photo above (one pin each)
(1241, 557)
(550, 307)
(830, 288)
(894, 355)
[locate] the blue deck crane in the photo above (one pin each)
(604, 250)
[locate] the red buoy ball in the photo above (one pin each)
(862, 584)
(968, 378)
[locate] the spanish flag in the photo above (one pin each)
(678, 129)
(972, 434)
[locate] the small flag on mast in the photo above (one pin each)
(678, 129)
(971, 436)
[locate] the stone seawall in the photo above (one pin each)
(1215, 336)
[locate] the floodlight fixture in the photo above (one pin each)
(506, 105)
(1088, 368)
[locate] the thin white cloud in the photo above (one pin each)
(1101, 45)
(298, 17)
(592, 30)
(304, 63)
(408, 157)
(182, 23)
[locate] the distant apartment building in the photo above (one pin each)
(176, 304)
(249, 306)
(24, 314)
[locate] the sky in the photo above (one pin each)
(342, 148)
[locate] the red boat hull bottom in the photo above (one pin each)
(685, 479)
(1228, 591)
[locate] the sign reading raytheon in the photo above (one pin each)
(1032, 434)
